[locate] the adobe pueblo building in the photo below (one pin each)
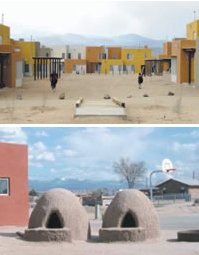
(58, 216)
(130, 217)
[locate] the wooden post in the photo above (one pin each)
(116, 101)
(79, 102)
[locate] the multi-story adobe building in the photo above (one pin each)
(75, 60)
(30, 49)
(105, 60)
(193, 34)
(133, 59)
(180, 56)
(16, 58)
(11, 64)
(182, 60)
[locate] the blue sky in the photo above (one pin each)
(156, 19)
(89, 152)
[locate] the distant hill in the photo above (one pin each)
(80, 185)
(75, 185)
(128, 40)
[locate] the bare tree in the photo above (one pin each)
(129, 171)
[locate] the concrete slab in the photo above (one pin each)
(100, 108)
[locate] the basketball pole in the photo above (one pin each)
(150, 181)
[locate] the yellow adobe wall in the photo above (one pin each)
(167, 49)
(114, 52)
(92, 54)
(182, 60)
(105, 67)
(5, 34)
(10, 71)
(28, 50)
(68, 64)
(193, 30)
(138, 57)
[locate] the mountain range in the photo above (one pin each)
(74, 184)
(126, 40)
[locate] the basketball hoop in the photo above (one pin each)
(170, 170)
(167, 166)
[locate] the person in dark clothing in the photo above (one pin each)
(53, 80)
(140, 81)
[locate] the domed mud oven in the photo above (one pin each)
(58, 216)
(130, 217)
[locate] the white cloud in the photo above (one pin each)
(13, 135)
(95, 150)
(106, 144)
(45, 155)
(185, 147)
(39, 146)
(39, 152)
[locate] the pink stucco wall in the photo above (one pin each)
(14, 165)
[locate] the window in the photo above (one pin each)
(104, 56)
(129, 56)
(79, 56)
(27, 68)
(17, 50)
(4, 186)
(69, 55)
(63, 55)
(114, 55)
(74, 67)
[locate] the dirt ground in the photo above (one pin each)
(166, 244)
(36, 103)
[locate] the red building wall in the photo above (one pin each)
(14, 165)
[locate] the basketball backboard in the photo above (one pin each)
(167, 166)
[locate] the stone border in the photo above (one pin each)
(122, 234)
(47, 235)
(188, 236)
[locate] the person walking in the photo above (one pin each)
(140, 81)
(53, 80)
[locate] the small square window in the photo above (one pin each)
(114, 55)
(4, 186)
(129, 56)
